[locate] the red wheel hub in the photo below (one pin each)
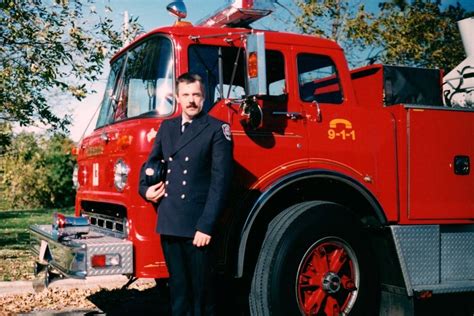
(327, 278)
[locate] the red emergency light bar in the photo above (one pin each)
(239, 13)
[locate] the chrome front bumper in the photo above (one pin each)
(72, 256)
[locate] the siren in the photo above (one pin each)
(65, 226)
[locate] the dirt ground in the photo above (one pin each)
(138, 299)
(147, 299)
(94, 301)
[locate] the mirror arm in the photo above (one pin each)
(234, 71)
(221, 73)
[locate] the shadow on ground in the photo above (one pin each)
(460, 304)
(131, 302)
(15, 240)
(156, 301)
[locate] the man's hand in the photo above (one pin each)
(201, 239)
(155, 192)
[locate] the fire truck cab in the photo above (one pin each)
(350, 187)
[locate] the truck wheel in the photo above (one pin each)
(313, 262)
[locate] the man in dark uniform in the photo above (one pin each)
(198, 151)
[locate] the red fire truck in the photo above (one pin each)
(352, 190)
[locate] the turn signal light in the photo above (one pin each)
(74, 151)
(124, 141)
(105, 260)
(252, 65)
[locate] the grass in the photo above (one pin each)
(16, 261)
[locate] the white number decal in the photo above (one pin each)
(95, 174)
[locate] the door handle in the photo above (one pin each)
(291, 115)
(462, 165)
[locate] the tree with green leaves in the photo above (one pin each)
(6, 134)
(419, 33)
(36, 171)
(414, 33)
(339, 20)
(50, 46)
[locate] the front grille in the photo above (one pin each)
(109, 219)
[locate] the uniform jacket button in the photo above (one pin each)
(167, 182)
(170, 159)
(183, 196)
(166, 194)
(186, 159)
(169, 170)
(185, 171)
(184, 182)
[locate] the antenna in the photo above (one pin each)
(125, 29)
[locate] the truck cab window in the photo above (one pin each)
(204, 60)
(275, 65)
(318, 79)
(139, 83)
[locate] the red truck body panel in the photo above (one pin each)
(401, 156)
(434, 138)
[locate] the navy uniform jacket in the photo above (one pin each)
(199, 172)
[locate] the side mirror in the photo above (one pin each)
(252, 112)
(256, 64)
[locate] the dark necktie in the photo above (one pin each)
(184, 126)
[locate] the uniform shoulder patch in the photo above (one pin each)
(151, 134)
(226, 131)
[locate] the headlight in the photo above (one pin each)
(121, 171)
(75, 178)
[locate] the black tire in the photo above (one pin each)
(305, 239)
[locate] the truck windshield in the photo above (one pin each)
(140, 83)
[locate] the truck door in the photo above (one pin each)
(276, 146)
(333, 124)
(345, 137)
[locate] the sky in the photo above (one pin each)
(151, 14)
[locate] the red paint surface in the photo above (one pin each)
(400, 156)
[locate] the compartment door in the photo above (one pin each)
(437, 141)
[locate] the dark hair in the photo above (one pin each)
(187, 78)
